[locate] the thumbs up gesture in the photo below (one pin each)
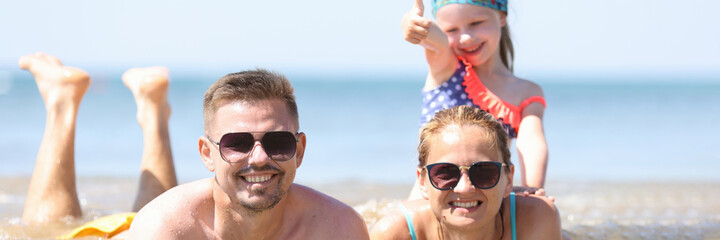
(415, 27)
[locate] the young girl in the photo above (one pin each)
(469, 54)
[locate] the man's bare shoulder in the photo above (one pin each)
(319, 202)
(193, 195)
(177, 213)
(330, 218)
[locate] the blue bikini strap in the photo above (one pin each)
(512, 215)
(408, 219)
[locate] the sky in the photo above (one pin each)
(562, 38)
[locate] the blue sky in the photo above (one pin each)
(552, 38)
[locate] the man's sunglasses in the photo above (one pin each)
(483, 175)
(235, 147)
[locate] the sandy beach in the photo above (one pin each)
(589, 210)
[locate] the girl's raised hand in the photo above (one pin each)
(527, 191)
(415, 27)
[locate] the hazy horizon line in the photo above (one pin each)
(412, 73)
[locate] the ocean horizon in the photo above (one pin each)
(592, 128)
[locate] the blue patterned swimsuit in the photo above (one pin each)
(449, 94)
(464, 88)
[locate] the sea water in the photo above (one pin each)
(628, 160)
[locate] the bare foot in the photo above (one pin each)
(149, 87)
(57, 84)
(52, 193)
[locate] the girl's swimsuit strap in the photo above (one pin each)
(408, 219)
(532, 99)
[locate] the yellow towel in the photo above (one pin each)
(104, 227)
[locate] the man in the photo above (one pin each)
(253, 145)
(251, 196)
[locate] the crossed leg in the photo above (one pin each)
(149, 87)
(52, 193)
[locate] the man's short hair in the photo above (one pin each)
(249, 86)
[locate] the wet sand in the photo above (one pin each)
(589, 210)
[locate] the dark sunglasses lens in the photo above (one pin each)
(444, 176)
(235, 146)
(280, 146)
(484, 175)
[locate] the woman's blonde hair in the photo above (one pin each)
(463, 116)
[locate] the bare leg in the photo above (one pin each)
(149, 87)
(52, 193)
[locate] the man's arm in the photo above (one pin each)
(351, 227)
(149, 224)
(326, 217)
(175, 214)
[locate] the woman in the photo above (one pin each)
(465, 177)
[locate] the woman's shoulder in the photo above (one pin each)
(537, 217)
(534, 205)
(394, 225)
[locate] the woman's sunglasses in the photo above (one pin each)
(235, 147)
(483, 175)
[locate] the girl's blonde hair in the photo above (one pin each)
(507, 53)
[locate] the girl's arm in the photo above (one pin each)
(423, 31)
(531, 145)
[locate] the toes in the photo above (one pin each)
(28, 61)
(49, 59)
(158, 70)
(76, 73)
(138, 74)
(149, 82)
(137, 77)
